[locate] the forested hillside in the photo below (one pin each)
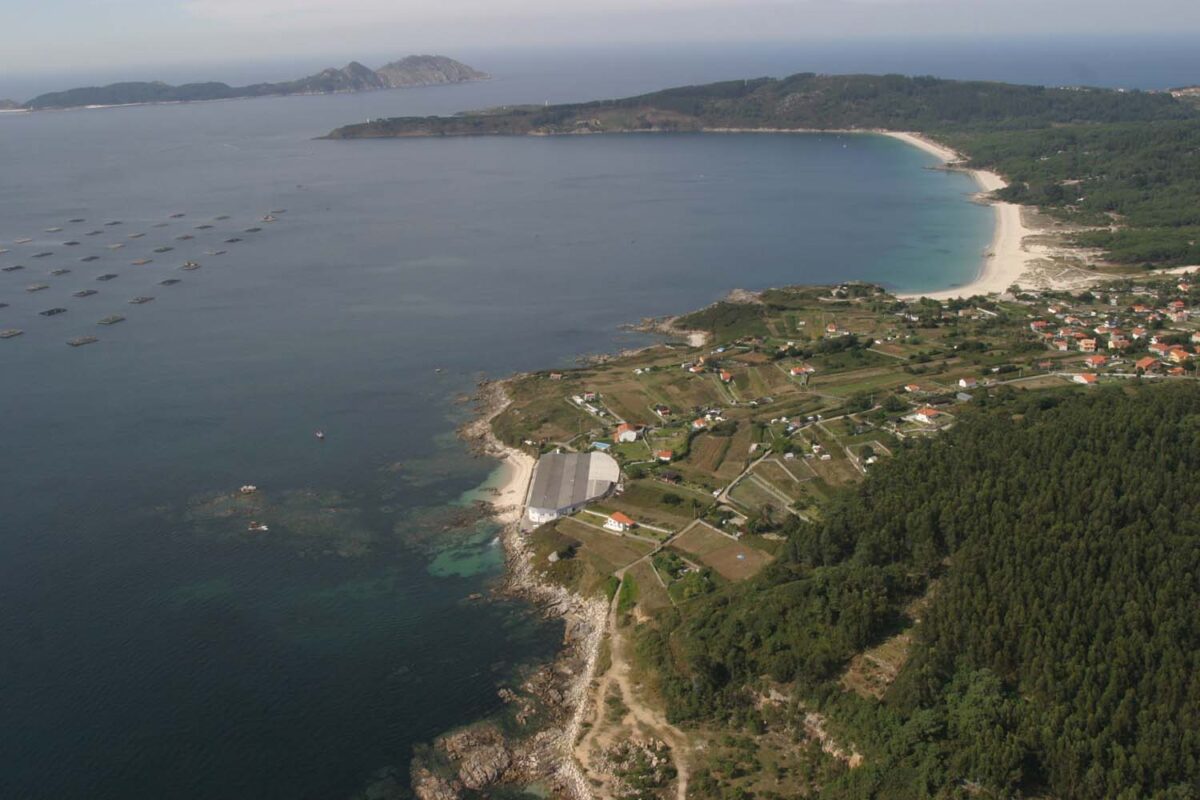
(1060, 649)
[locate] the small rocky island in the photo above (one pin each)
(409, 72)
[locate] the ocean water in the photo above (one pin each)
(150, 645)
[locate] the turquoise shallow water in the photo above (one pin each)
(149, 644)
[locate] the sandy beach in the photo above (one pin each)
(1007, 258)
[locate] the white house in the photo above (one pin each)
(618, 522)
(627, 433)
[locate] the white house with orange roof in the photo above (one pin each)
(619, 522)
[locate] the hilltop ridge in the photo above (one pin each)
(408, 72)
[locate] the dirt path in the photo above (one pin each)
(638, 713)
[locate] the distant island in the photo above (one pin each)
(409, 72)
(9, 105)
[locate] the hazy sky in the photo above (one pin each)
(69, 35)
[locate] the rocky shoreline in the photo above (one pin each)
(549, 707)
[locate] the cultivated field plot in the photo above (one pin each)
(654, 504)
(683, 391)
(611, 550)
(731, 559)
(737, 455)
(708, 452)
(754, 496)
(787, 480)
(652, 596)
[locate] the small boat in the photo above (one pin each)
(90, 258)
(184, 237)
(320, 435)
(85, 293)
(438, 370)
(177, 215)
(111, 320)
(22, 241)
(108, 276)
(253, 230)
(77, 220)
(258, 527)
(60, 271)
(141, 262)
(249, 488)
(80, 341)
(163, 249)
(141, 300)
(112, 223)
(53, 230)
(232, 241)
(9, 333)
(93, 233)
(215, 252)
(13, 268)
(222, 217)
(279, 211)
(169, 282)
(52, 312)
(160, 225)
(43, 254)
(37, 287)
(3, 250)
(71, 243)
(136, 235)
(190, 265)
(269, 218)
(203, 227)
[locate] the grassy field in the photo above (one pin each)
(731, 559)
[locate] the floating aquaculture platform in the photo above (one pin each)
(52, 312)
(80, 341)
(108, 276)
(140, 300)
(85, 293)
(111, 320)
(37, 287)
(9, 333)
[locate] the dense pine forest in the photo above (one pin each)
(1053, 546)
(1126, 164)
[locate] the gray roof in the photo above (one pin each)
(566, 480)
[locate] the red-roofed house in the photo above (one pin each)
(1147, 364)
(1086, 378)
(726, 377)
(1179, 354)
(618, 522)
(1096, 361)
(927, 415)
(1087, 345)
(627, 433)
(665, 456)
(699, 424)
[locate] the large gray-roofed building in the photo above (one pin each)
(565, 482)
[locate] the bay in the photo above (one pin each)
(150, 645)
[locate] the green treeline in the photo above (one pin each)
(1060, 648)
(1144, 177)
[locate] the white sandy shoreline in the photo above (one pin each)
(1007, 259)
